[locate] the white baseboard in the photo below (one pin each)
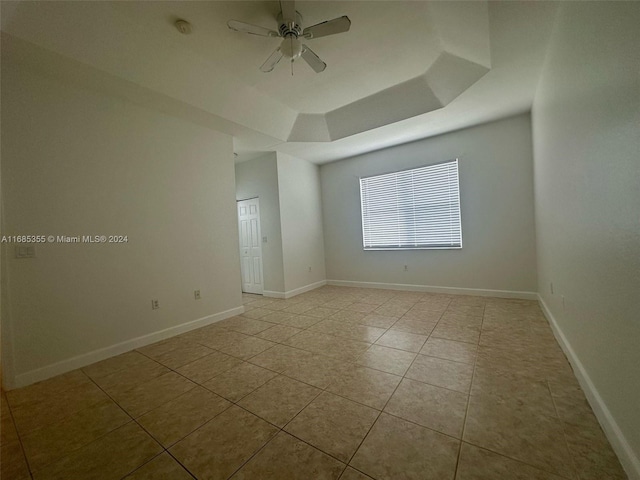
(272, 294)
(628, 458)
(85, 359)
(431, 289)
(296, 291)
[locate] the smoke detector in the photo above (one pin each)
(183, 26)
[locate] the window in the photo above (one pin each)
(412, 209)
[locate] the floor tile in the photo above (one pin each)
(348, 316)
(474, 310)
(112, 456)
(182, 355)
(247, 347)
(279, 400)
(333, 424)
(13, 464)
(149, 395)
(414, 326)
(391, 310)
(388, 360)
(47, 389)
(299, 308)
(361, 307)
(256, 313)
(353, 474)
(321, 312)
(461, 320)
(277, 317)
(441, 373)
(286, 457)
(178, 418)
(402, 340)
(490, 364)
(316, 370)
(8, 432)
(239, 381)
(593, 456)
(126, 379)
(263, 301)
(397, 449)
(432, 407)
(459, 333)
(379, 321)
(163, 346)
(116, 364)
(220, 447)
(518, 431)
(51, 442)
(450, 350)
(507, 385)
(163, 467)
(244, 325)
(208, 367)
(279, 358)
(278, 333)
(220, 337)
(301, 321)
(480, 464)
(365, 385)
(49, 409)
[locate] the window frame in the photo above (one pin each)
(405, 248)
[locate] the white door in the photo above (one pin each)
(250, 247)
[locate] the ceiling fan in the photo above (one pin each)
(291, 31)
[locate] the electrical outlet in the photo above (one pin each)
(551, 287)
(155, 304)
(196, 294)
(406, 268)
(309, 269)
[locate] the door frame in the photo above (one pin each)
(257, 198)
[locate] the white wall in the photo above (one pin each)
(586, 130)
(301, 217)
(82, 163)
(259, 178)
(496, 193)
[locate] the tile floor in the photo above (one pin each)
(336, 383)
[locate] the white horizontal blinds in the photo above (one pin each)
(417, 208)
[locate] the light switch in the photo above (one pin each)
(264, 239)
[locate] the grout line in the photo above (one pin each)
(466, 412)
(15, 427)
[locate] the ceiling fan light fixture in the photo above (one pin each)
(291, 47)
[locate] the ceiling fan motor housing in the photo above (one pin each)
(288, 28)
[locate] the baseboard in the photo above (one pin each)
(85, 359)
(272, 294)
(628, 458)
(306, 288)
(296, 291)
(431, 289)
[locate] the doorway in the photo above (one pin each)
(250, 245)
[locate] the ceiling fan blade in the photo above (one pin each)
(272, 61)
(313, 60)
(288, 8)
(330, 27)
(252, 29)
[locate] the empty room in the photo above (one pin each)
(356, 240)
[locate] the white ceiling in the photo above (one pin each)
(212, 77)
